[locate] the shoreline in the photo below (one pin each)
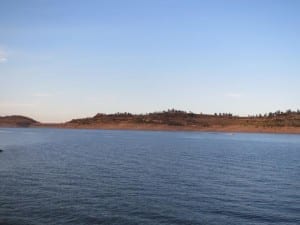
(225, 129)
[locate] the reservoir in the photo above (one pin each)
(61, 176)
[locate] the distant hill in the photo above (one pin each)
(16, 121)
(277, 122)
(181, 120)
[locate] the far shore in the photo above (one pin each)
(174, 120)
(226, 129)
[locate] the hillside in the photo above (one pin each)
(278, 122)
(16, 121)
(180, 120)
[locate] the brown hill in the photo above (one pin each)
(16, 121)
(278, 122)
(181, 120)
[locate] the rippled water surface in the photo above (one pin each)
(56, 176)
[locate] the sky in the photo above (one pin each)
(69, 59)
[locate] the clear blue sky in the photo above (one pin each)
(65, 59)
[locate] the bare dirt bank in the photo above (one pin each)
(230, 129)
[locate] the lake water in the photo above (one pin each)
(57, 176)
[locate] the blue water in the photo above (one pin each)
(57, 176)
